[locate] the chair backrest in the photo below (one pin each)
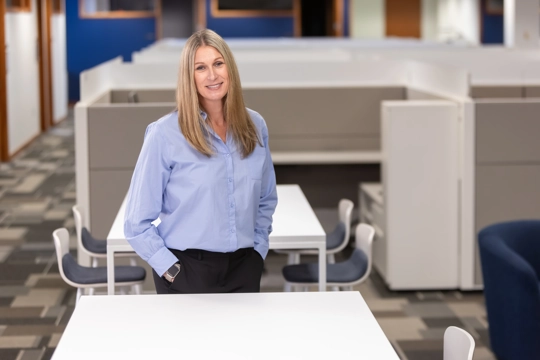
(458, 344)
(364, 241)
(61, 244)
(345, 208)
(79, 224)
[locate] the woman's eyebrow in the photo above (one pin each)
(202, 63)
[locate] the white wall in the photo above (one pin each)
(521, 23)
(459, 20)
(59, 67)
(368, 19)
(429, 19)
(22, 78)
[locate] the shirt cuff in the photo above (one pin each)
(162, 260)
(261, 245)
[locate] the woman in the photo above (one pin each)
(206, 172)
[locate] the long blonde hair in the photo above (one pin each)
(191, 122)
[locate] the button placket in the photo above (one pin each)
(233, 241)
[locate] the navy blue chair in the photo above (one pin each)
(510, 255)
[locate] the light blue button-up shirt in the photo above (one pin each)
(221, 204)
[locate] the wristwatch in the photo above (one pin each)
(172, 272)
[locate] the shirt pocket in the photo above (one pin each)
(256, 162)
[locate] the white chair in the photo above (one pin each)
(96, 249)
(458, 344)
(344, 275)
(83, 277)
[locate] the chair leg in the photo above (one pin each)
(335, 288)
(136, 289)
(330, 259)
(287, 287)
(91, 291)
(94, 262)
(79, 292)
(294, 258)
(132, 261)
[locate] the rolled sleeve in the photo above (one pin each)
(145, 199)
(268, 200)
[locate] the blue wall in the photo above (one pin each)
(93, 41)
(249, 26)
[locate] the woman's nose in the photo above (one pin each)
(211, 74)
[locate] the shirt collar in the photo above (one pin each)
(203, 114)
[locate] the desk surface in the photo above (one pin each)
(311, 325)
(294, 219)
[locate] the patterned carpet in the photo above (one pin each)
(37, 191)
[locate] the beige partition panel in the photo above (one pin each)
(319, 119)
(115, 137)
(144, 96)
(107, 190)
(497, 92)
(507, 163)
(116, 132)
(532, 92)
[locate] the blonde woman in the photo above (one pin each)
(206, 172)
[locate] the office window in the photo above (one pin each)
(18, 5)
(117, 8)
(247, 8)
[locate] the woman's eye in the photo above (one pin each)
(200, 68)
(219, 63)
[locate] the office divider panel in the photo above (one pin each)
(115, 137)
(507, 163)
(319, 119)
(420, 189)
(144, 96)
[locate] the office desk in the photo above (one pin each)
(295, 226)
(307, 325)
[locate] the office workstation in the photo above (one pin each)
(406, 170)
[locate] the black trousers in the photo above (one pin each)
(206, 272)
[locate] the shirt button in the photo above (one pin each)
(232, 205)
(232, 230)
(230, 180)
(227, 155)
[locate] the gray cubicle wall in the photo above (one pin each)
(504, 92)
(115, 137)
(323, 119)
(143, 96)
(299, 119)
(507, 163)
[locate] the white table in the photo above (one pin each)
(295, 226)
(303, 325)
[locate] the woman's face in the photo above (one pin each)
(211, 75)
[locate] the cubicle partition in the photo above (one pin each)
(443, 155)
(115, 136)
(507, 163)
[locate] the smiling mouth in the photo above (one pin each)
(214, 87)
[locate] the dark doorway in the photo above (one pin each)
(44, 15)
(321, 17)
(177, 18)
(4, 152)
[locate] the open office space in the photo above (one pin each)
(403, 135)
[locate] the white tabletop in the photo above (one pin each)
(294, 220)
(310, 325)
